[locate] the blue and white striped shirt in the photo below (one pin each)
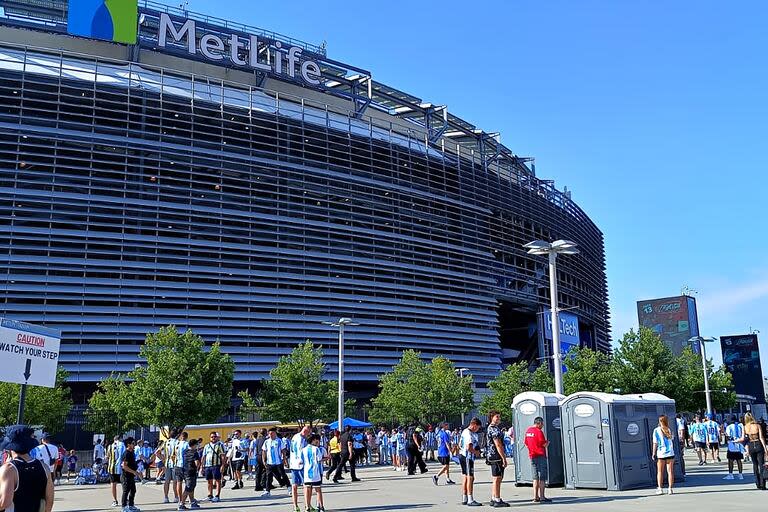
(665, 446)
(297, 445)
(272, 447)
(312, 459)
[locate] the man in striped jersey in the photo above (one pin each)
(734, 435)
(115, 453)
(178, 471)
(295, 463)
(214, 460)
(169, 455)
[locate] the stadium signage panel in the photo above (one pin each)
(241, 52)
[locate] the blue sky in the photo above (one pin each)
(653, 113)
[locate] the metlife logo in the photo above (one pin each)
(108, 20)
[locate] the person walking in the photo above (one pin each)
(25, 482)
(273, 460)
(145, 456)
(414, 447)
(680, 424)
(179, 472)
(713, 437)
(236, 457)
(334, 449)
(496, 457)
(115, 453)
(347, 451)
(430, 444)
(537, 444)
(664, 453)
(98, 451)
(213, 461)
(190, 466)
(757, 448)
(383, 442)
(734, 436)
(296, 463)
(445, 449)
(468, 449)
(261, 469)
(699, 435)
(128, 474)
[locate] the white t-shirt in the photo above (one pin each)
(297, 445)
(46, 453)
(98, 452)
(468, 437)
(680, 424)
(237, 450)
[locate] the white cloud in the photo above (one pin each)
(727, 299)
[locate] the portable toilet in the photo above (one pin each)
(606, 442)
(654, 405)
(526, 407)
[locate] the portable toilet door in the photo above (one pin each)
(525, 408)
(634, 468)
(655, 405)
(583, 417)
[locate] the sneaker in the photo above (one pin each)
(194, 504)
(182, 507)
(492, 504)
(464, 500)
(320, 508)
(166, 500)
(670, 491)
(450, 482)
(215, 499)
(502, 504)
(114, 504)
(474, 503)
(701, 463)
(210, 497)
(356, 480)
(546, 500)
(729, 476)
(158, 482)
(297, 509)
(434, 479)
(265, 494)
(133, 508)
(740, 476)
(659, 491)
(125, 509)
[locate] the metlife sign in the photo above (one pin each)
(119, 21)
(30, 353)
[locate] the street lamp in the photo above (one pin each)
(461, 376)
(707, 393)
(340, 323)
(540, 247)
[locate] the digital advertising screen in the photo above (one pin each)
(674, 319)
(741, 356)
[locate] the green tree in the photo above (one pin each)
(690, 395)
(513, 380)
(644, 364)
(252, 406)
(181, 384)
(43, 406)
(417, 391)
(588, 370)
(297, 391)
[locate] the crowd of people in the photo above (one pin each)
(300, 461)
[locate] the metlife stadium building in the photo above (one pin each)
(241, 183)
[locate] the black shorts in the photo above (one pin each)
(714, 446)
(667, 458)
(190, 481)
(735, 456)
(114, 478)
(497, 469)
(444, 460)
(316, 485)
(701, 446)
(213, 473)
(178, 474)
(467, 466)
(237, 465)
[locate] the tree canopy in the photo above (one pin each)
(511, 381)
(182, 383)
(43, 406)
(420, 391)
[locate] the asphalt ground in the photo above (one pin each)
(383, 489)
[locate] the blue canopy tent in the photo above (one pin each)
(350, 422)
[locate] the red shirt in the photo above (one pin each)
(535, 442)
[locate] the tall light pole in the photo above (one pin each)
(340, 323)
(540, 247)
(707, 393)
(461, 376)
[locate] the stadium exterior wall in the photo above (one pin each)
(141, 192)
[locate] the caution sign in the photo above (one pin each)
(29, 353)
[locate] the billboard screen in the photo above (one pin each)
(674, 319)
(569, 331)
(741, 355)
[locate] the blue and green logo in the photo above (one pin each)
(110, 20)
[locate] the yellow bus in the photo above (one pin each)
(225, 430)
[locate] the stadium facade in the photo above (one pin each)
(243, 184)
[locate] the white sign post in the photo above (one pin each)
(30, 355)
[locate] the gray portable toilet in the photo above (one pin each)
(606, 442)
(525, 408)
(654, 405)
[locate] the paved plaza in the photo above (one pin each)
(384, 489)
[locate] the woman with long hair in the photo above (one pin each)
(664, 453)
(757, 448)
